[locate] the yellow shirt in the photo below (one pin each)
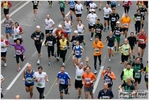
(63, 44)
(5, 5)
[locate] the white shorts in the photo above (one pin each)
(112, 48)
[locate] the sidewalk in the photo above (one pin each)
(15, 5)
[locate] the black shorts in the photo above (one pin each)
(35, 6)
(146, 79)
(62, 9)
(50, 50)
(78, 84)
(110, 85)
(142, 46)
(124, 58)
(125, 29)
(99, 35)
(48, 31)
(3, 54)
(113, 6)
(78, 15)
(132, 47)
(137, 80)
(29, 85)
(81, 38)
(107, 19)
(63, 87)
(6, 11)
(72, 9)
(143, 18)
(17, 58)
(38, 47)
(90, 27)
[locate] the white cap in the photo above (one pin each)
(37, 26)
(75, 31)
(117, 22)
(60, 26)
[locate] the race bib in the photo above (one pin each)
(125, 25)
(74, 42)
(125, 2)
(117, 32)
(16, 35)
(142, 13)
(37, 37)
(138, 18)
(98, 30)
(91, 23)
(108, 81)
(18, 52)
(29, 80)
(104, 97)
(87, 80)
(62, 81)
(77, 52)
(64, 47)
(126, 50)
(7, 25)
(96, 50)
(61, 4)
(137, 75)
(50, 43)
(2, 46)
(67, 29)
(141, 40)
(79, 77)
(39, 84)
(113, 19)
(146, 75)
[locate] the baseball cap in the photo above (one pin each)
(37, 26)
(75, 31)
(81, 63)
(60, 26)
(117, 22)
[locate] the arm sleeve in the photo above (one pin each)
(11, 44)
(10, 4)
(42, 36)
(33, 35)
(118, 17)
(23, 49)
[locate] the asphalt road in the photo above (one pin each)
(25, 17)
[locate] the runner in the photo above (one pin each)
(49, 24)
(19, 49)
(138, 21)
(117, 32)
(142, 40)
(77, 53)
(40, 77)
(62, 8)
(110, 38)
(35, 4)
(58, 34)
(87, 2)
(125, 52)
(97, 46)
(138, 68)
(132, 42)
(2, 80)
(64, 81)
(139, 4)
(81, 30)
(67, 26)
(114, 17)
(125, 21)
(63, 45)
(106, 12)
(50, 3)
(105, 93)
(143, 11)
(78, 79)
(50, 43)
(126, 5)
(91, 18)
(98, 29)
(78, 9)
(100, 5)
(17, 32)
(108, 76)
(127, 72)
(72, 8)
(38, 37)
(6, 5)
(113, 4)
(28, 79)
(92, 5)
(8, 23)
(4, 45)
(146, 75)
(128, 88)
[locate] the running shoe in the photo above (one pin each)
(79, 97)
(95, 72)
(118, 5)
(55, 54)
(63, 64)
(38, 62)
(24, 57)
(109, 59)
(91, 39)
(57, 58)
(92, 97)
(34, 19)
(18, 69)
(14, 56)
(49, 64)
(99, 66)
(108, 28)
(99, 9)
(5, 64)
(104, 29)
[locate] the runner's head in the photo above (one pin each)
(7, 16)
(91, 1)
(40, 69)
(129, 79)
(138, 61)
(63, 37)
(111, 33)
(117, 23)
(19, 41)
(96, 39)
(17, 97)
(92, 11)
(16, 24)
(78, 2)
(88, 68)
(37, 28)
(98, 21)
(2, 37)
(77, 42)
(131, 34)
(67, 18)
(62, 69)
(59, 27)
(125, 41)
(108, 69)
(143, 6)
(29, 67)
(142, 31)
(107, 6)
(138, 11)
(48, 17)
(105, 86)
(113, 10)
(128, 66)
(75, 33)
(80, 22)
(126, 14)
(80, 65)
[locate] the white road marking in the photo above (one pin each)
(14, 80)
(67, 13)
(16, 10)
(123, 14)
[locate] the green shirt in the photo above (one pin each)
(125, 49)
(62, 4)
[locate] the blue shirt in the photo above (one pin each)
(29, 78)
(63, 78)
(72, 4)
(105, 95)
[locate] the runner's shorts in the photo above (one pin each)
(125, 29)
(78, 15)
(107, 19)
(3, 54)
(35, 6)
(63, 87)
(48, 31)
(88, 89)
(78, 84)
(117, 38)
(9, 30)
(137, 80)
(72, 9)
(112, 48)
(124, 58)
(62, 9)
(142, 46)
(90, 27)
(78, 56)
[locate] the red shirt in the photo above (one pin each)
(5, 41)
(128, 3)
(141, 38)
(59, 33)
(10, 5)
(20, 28)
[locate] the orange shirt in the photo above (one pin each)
(112, 75)
(125, 22)
(97, 48)
(88, 77)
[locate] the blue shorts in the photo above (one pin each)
(87, 3)
(78, 56)
(9, 30)
(62, 9)
(68, 32)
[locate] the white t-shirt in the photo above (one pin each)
(49, 23)
(1, 79)
(41, 76)
(78, 8)
(107, 12)
(79, 73)
(92, 18)
(92, 5)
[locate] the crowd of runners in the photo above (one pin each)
(67, 39)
